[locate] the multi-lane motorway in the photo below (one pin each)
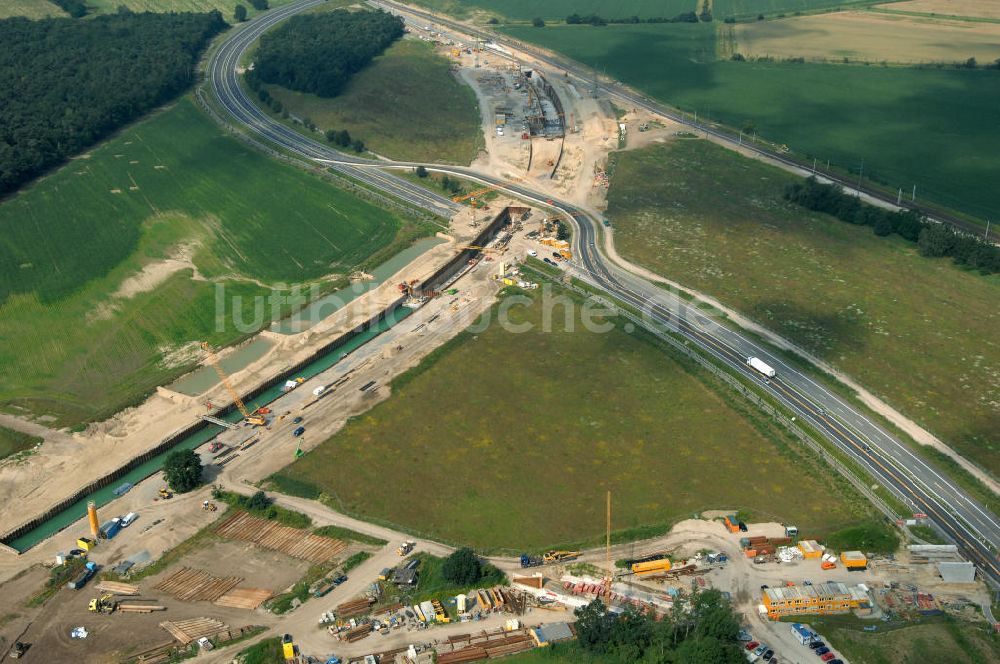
(892, 463)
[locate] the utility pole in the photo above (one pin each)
(899, 197)
(987, 235)
(814, 165)
(861, 174)
(913, 198)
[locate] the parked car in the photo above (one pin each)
(752, 645)
(298, 432)
(340, 579)
(768, 655)
(816, 644)
(836, 661)
(296, 420)
(532, 253)
(549, 261)
(128, 519)
(759, 650)
(828, 656)
(822, 651)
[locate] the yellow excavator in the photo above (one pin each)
(251, 418)
(104, 604)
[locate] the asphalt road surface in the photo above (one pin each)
(892, 463)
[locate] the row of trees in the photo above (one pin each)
(319, 53)
(932, 239)
(66, 84)
(594, 19)
(342, 138)
(702, 630)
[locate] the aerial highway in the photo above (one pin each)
(893, 464)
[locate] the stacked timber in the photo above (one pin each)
(140, 608)
(389, 608)
(244, 598)
(290, 541)
(116, 588)
(470, 654)
(191, 585)
(354, 607)
(509, 646)
(356, 633)
(193, 629)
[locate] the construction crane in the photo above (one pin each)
(251, 418)
(485, 190)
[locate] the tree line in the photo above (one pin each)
(594, 19)
(66, 84)
(319, 53)
(75, 8)
(702, 629)
(932, 239)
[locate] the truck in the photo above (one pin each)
(531, 561)
(406, 547)
(325, 588)
(758, 365)
(89, 570)
(110, 528)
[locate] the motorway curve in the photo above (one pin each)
(891, 462)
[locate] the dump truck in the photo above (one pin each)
(288, 647)
(560, 556)
(758, 365)
(79, 582)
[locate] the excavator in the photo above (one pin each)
(251, 418)
(104, 604)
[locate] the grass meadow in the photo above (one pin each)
(941, 639)
(224, 6)
(108, 266)
(505, 441)
(405, 105)
(926, 127)
(30, 9)
(12, 442)
(920, 333)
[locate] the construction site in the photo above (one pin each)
(113, 566)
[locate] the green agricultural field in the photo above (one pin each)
(12, 442)
(936, 640)
(928, 127)
(98, 305)
(560, 9)
(521, 453)
(30, 9)
(920, 333)
(752, 8)
(394, 106)
(224, 6)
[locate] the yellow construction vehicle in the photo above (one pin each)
(256, 420)
(560, 556)
(104, 604)
(166, 493)
(288, 647)
(208, 506)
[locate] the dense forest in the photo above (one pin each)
(66, 84)
(319, 53)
